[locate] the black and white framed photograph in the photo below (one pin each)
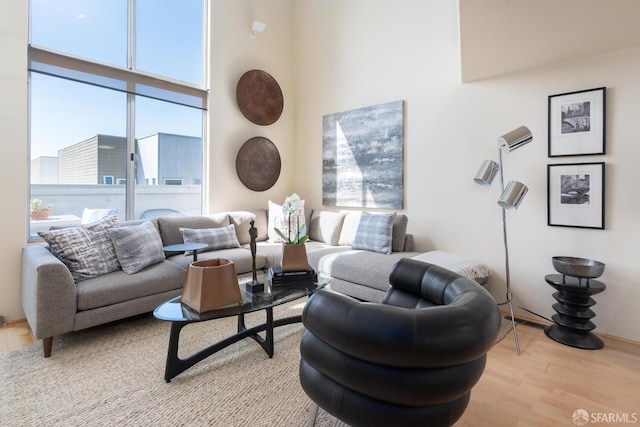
(576, 195)
(577, 123)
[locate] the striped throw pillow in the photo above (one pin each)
(215, 238)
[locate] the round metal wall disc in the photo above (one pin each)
(259, 97)
(258, 164)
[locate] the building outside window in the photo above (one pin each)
(117, 107)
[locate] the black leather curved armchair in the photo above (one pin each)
(410, 361)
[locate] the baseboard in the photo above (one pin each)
(526, 322)
(537, 322)
(527, 319)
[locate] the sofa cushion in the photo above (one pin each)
(277, 220)
(117, 287)
(375, 232)
(349, 228)
(325, 226)
(399, 232)
(169, 226)
(214, 238)
(136, 246)
(241, 220)
(368, 268)
(86, 250)
(131, 222)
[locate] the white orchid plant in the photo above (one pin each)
(292, 211)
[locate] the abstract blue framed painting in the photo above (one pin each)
(363, 157)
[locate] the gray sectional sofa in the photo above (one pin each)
(56, 302)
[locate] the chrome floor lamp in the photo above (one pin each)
(510, 198)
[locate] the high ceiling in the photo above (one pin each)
(503, 36)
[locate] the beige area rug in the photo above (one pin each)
(114, 376)
(505, 327)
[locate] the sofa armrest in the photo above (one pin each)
(49, 296)
(460, 264)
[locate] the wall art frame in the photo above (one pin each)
(363, 157)
(575, 195)
(577, 123)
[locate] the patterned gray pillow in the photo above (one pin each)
(375, 233)
(137, 246)
(85, 250)
(216, 238)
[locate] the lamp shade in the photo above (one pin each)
(512, 195)
(515, 139)
(486, 173)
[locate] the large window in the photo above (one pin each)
(117, 107)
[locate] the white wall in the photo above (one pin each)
(13, 173)
(233, 53)
(349, 56)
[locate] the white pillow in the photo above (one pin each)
(93, 215)
(277, 219)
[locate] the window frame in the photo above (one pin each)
(132, 82)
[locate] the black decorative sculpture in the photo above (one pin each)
(254, 286)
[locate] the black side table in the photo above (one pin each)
(186, 247)
(573, 313)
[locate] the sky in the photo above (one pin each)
(167, 44)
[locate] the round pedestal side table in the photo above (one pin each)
(573, 325)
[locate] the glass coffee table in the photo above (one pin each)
(180, 315)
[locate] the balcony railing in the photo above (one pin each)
(69, 201)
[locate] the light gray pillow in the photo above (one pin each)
(349, 228)
(325, 226)
(215, 238)
(374, 233)
(85, 250)
(169, 226)
(137, 246)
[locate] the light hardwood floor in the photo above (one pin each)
(548, 382)
(541, 387)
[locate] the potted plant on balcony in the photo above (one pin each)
(294, 253)
(39, 211)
